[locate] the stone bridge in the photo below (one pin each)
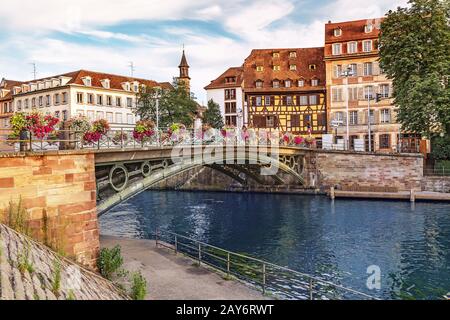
(63, 192)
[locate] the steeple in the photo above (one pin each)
(184, 72)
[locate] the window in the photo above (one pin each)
(312, 99)
(26, 104)
(292, 54)
(301, 83)
(314, 82)
(303, 100)
(129, 102)
(270, 121)
(90, 98)
(289, 100)
(47, 100)
(258, 101)
(353, 68)
(231, 120)
(312, 67)
(118, 118)
(287, 83)
(267, 101)
(230, 94)
(368, 68)
(79, 98)
(385, 116)
(64, 99)
(118, 102)
(352, 47)
(276, 84)
(337, 49)
(99, 100)
(336, 94)
(230, 80)
(33, 103)
(292, 67)
(259, 68)
(367, 45)
(90, 115)
(337, 32)
(372, 117)
(129, 118)
(368, 92)
(385, 91)
(109, 117)
(19, 105)
(353, 94)
(87, 81)
(109, 100)
(353, 117)
(337, 71)
(57, 115)
(259, 84)
(368, 28)
(57, 99)
(339, 116)
(64, 113)
(136, 88)
(385, 141)
(41, 101)
(100, 115)
(276, 55)
(295, 120)
(276, 68)
(230, 107)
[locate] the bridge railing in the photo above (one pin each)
(125, 138)
(268, 277)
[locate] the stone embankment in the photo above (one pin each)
(31, 271)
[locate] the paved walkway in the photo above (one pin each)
(174, 277)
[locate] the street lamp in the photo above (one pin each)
(347, 73)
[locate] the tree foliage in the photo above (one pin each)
(414, 53)
(174, 105)
(212, 115)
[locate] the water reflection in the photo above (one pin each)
(337, 240)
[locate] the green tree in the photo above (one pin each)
(173, 105)
(212, 115)
(414, 53)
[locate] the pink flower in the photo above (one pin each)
(298, 140)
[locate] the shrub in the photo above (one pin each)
(110, 262)
(23, 261)
(17, 218)
(56, 280)
(138, 286)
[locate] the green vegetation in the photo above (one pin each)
(138, 286)
(174, 106)
(414, 53)
(71, 296)
(17, 218)
(110, 262)
(23, 261)
(56, 277)
(440, 148)
(212, 115)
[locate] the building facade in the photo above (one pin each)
(91, 94)
(285, 90)
(7, 88)
(227, 92)
(354, 78)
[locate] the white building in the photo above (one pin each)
(92, 94)
(227, 92)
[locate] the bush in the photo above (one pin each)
(440, 148)
(110, 262)
(138, 286)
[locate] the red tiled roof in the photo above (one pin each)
(231, 72)
(305, 57)
(352, 30)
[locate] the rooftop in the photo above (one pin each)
(221, 81)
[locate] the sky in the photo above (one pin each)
(60, 36)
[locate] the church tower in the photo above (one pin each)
(184, 73)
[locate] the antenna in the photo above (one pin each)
(34, 70)
(132, 68)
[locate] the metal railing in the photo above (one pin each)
(437, 171)
(272, 279)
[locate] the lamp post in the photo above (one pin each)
(157, 120)
(347, 73)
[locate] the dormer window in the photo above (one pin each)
(287, 83)
(126, 86)
(301, 83)
(292, 54)
(259, 68)
(106, 83)
(276, 83)
(230, 80)
(292, 67)
(259, 83)
(87, 81)
(314, 82)
(275, 54)
(312, 67)
(337, 32)
(276, 68)
(368, 28)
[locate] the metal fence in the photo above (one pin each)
(437, 171)
(270, 278)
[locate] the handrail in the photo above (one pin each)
(264, 271)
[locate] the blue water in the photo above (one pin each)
(337, 241)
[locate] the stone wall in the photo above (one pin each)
(436, 184)
(58, 191)
(367, 172)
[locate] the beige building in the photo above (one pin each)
(354, 78)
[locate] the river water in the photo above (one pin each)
(337, 241)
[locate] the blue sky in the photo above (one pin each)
(105, 35)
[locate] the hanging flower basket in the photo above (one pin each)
(99, 129)
(144, 130)
(41, 126)
(298, 140)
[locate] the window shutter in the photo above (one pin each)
(391, 90)
(361, 119)
(253, 101)
(376, 68)
(360, 69)
(275, 122)
(361, 94)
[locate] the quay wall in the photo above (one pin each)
(436, 184)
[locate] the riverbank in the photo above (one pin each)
(175, 277)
